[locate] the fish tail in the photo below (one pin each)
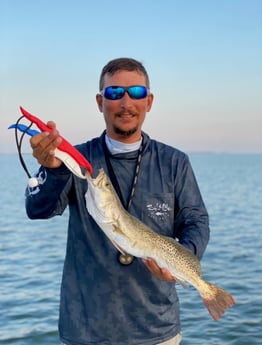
(216, 300)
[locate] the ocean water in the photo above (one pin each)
(32, 253)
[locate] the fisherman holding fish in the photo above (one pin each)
(119, 289)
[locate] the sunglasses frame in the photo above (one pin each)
(126, 89)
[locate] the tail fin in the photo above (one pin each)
(216, 300)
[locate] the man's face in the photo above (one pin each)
(124, 117)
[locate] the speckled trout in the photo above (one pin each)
(129, 234)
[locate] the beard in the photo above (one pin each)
(125, 134)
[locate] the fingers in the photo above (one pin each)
(160, 273)
(51, 124)
(44, 145)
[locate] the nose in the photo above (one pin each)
(126, 101)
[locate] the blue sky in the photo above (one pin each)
(204, 58)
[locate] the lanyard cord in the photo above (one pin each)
(19, 145)
(123, 257)
(113, 177)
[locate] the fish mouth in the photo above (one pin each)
(99, 181)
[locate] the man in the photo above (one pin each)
(103, 301)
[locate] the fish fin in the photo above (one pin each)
(117, 229)
(118, 248)
(182, 282)
(216, 300)
(115, 244)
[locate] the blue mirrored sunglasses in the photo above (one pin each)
(117, 92)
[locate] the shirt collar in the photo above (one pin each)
(115, 146)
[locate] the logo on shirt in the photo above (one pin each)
(158, 211)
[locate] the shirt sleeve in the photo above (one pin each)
(50, 197)
(191, 219)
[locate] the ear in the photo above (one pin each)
(150, 99)
(99, 101)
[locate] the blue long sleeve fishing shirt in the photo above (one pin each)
(103, 302)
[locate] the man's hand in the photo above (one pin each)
(160, 273)
(44, 145)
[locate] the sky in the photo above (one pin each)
(204, 59)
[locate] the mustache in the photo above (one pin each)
(126, 112)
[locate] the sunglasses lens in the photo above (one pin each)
(117, 92)
(137, 92)
(114, 92)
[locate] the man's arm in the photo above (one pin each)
(50, 196)
(192, 221)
